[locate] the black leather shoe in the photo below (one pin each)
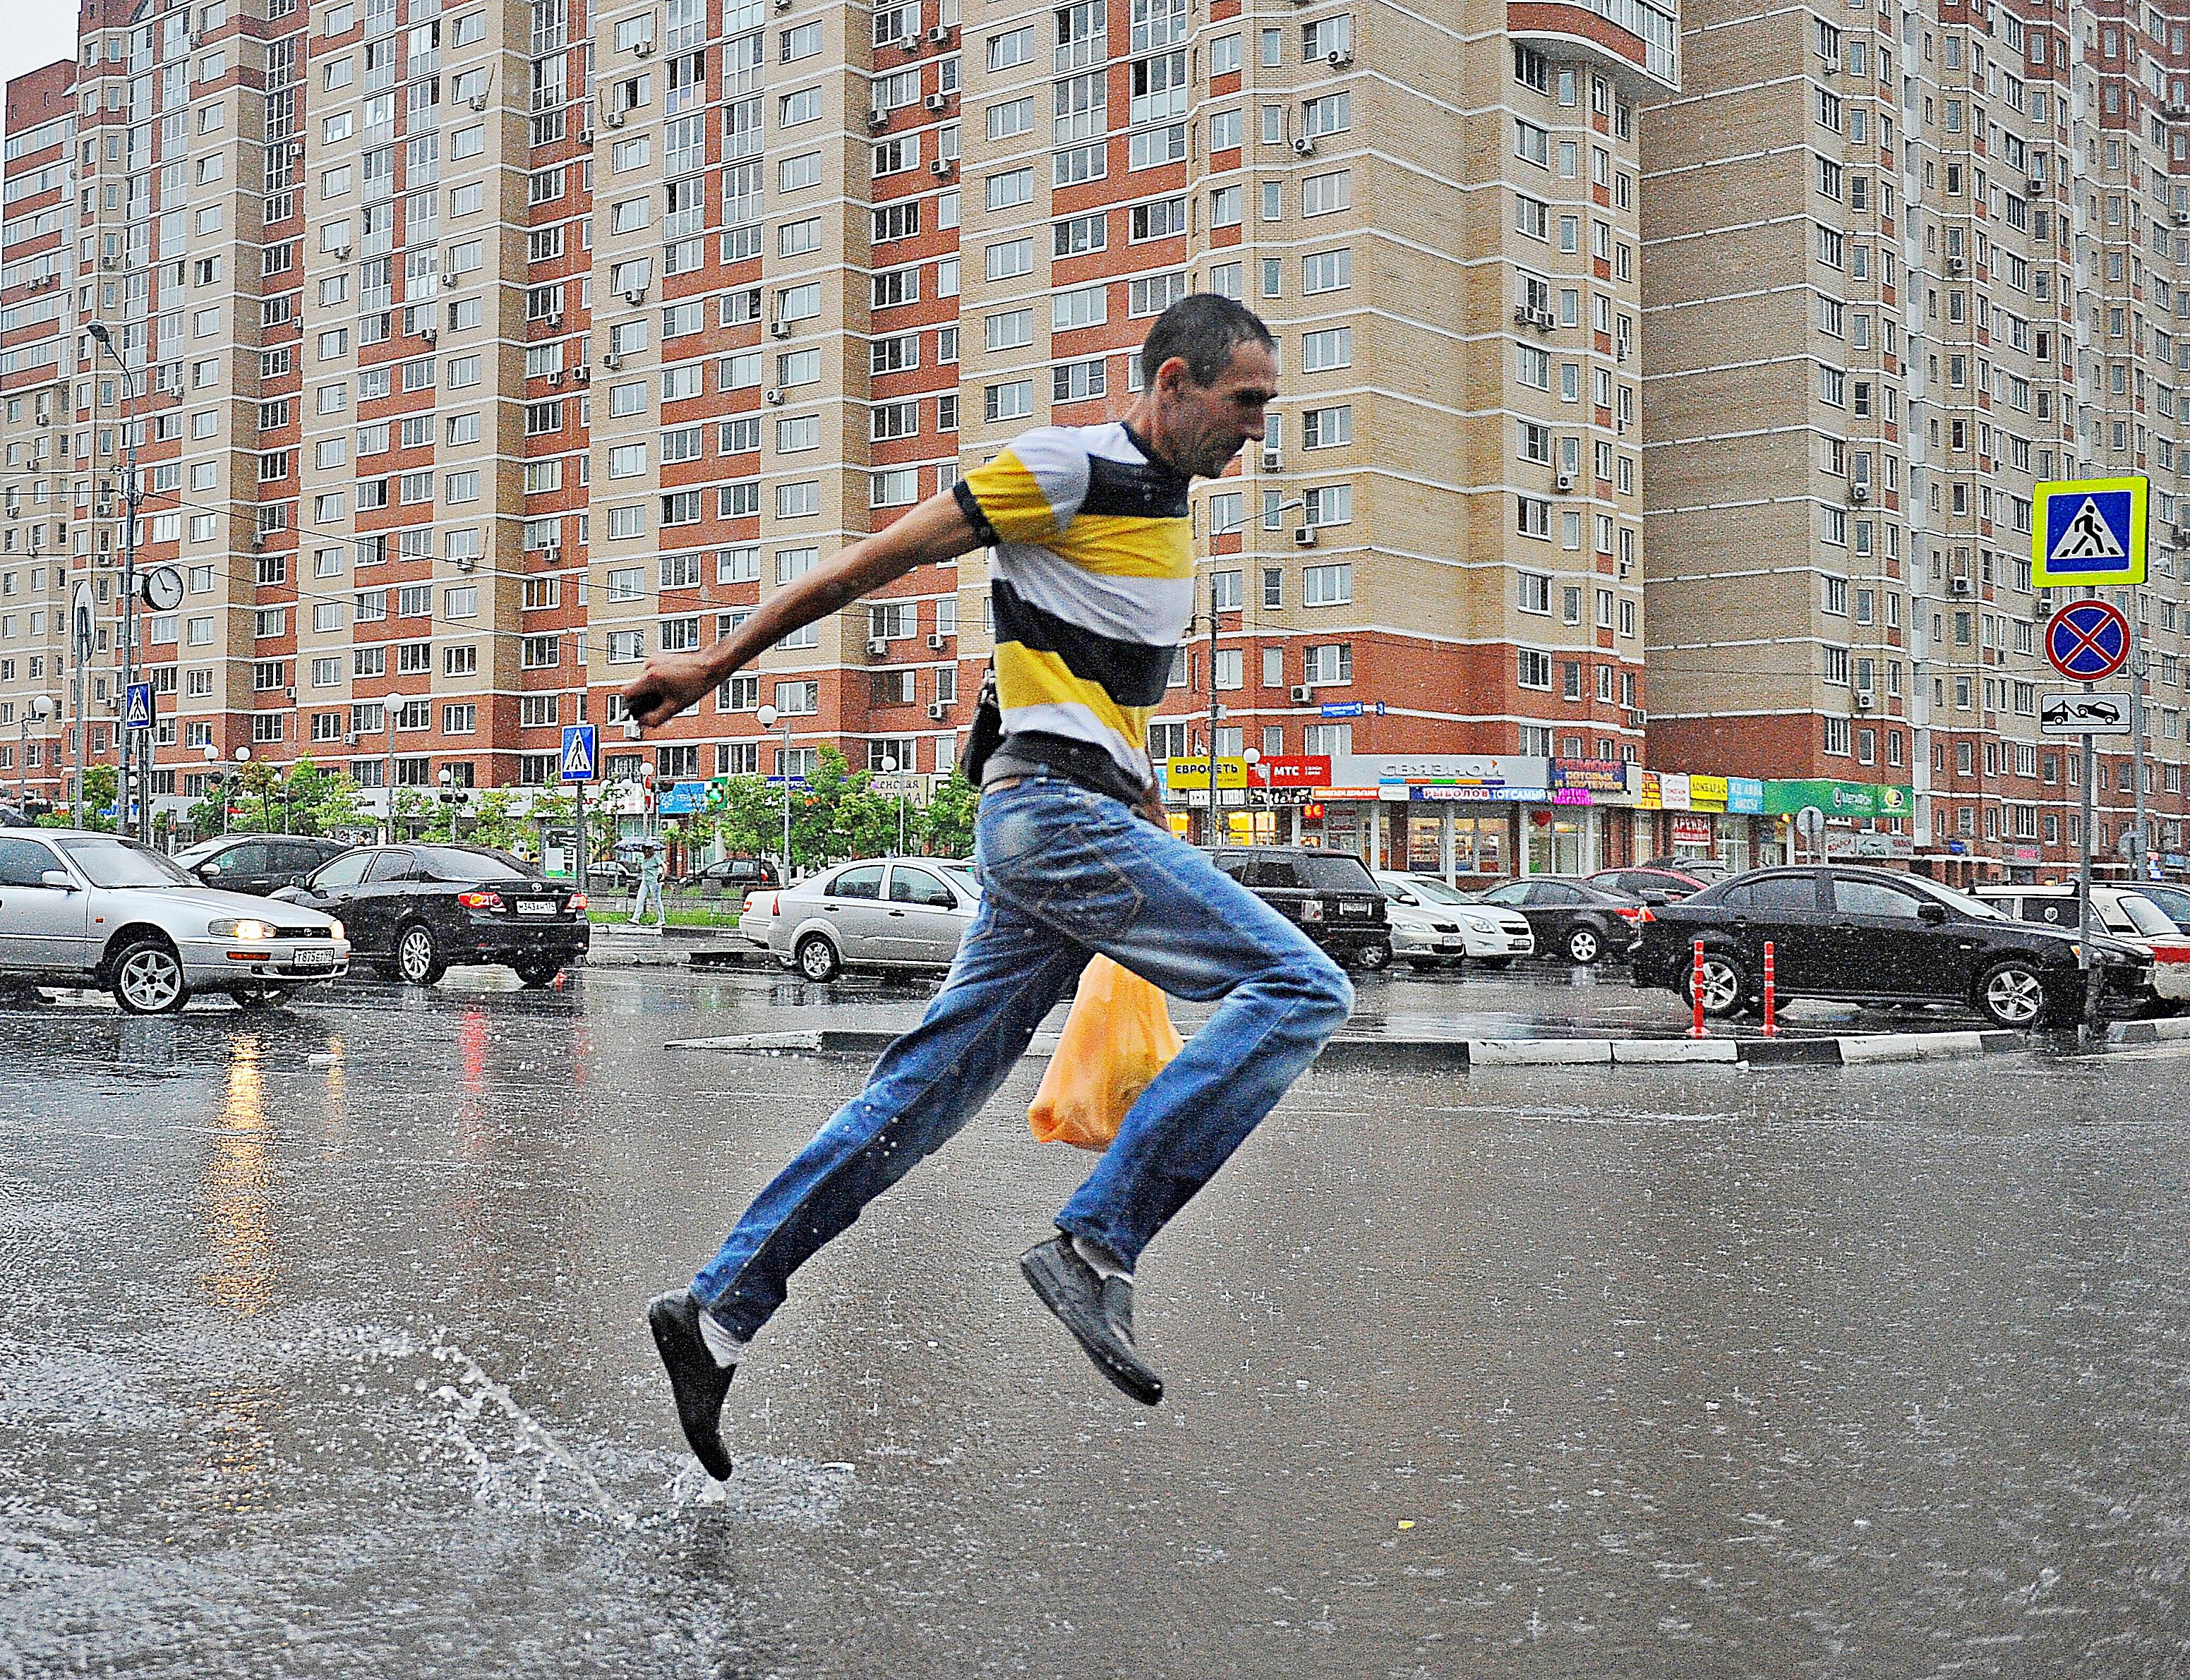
(1098, 1310)
(697, 1382)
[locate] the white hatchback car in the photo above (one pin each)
(880, 913)
(78, 907)
(2124, 913)
(1433, 925)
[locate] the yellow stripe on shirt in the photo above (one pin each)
(1124, 545)
(1027, 678)
(1011, 499)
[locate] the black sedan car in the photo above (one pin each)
(258, 863)
(412, 911)
(1874, 936)
(1651, 885)
(1580, 919)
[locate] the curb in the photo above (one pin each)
(2147, 1031)
(1415, 1055)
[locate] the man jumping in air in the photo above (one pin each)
(1092, 584)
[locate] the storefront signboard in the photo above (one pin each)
(1292, 772)
(1856, 800)
(1745, 794)
(1643, 784)
(1672, 790)
(1572, 796)
(1693, 830)
(1589, 775)
(1707, 793)
(1854, 843)
(1182, 773)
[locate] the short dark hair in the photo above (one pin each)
(1204, 329)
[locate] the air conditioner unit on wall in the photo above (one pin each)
(942, 167)
(1563, 482)
(937, 102)
(613, 117)
(1340, 60)
(643, 47)
(779, 329)
(1304, 147)
(1858, 493)
(772, 397)
(937, 640)
(878, 645)
(1864, 700)
(1300, 693)
(938, 35)
(1303, 536)
(938, 710)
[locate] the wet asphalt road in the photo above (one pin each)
(320, 1355)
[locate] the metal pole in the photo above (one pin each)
(2137, 736)
(387, 719)
(786, 801)
(1214, 835)
(80, 634)
(2083, 953)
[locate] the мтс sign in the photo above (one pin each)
(2086, 532)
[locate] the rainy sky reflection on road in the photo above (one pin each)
(320, 1355)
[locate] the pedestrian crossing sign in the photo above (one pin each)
(2086, 532)
(580, 752)
(137, 706)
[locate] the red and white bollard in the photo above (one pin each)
(1696, 1029)
(1771, 995)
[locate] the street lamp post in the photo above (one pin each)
(242, 756)
(889, 769)
(132, 752)
(41, 709)
(767, 716)
(219, 788)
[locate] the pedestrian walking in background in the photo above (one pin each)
(1093, 587)
(650, 889)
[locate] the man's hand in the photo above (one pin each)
(670, 682)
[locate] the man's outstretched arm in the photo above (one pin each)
(937, 530)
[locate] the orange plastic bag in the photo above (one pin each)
(1115, 1041)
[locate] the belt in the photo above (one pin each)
(999, 784)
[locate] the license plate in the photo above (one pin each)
(1356, 907)
(535, 906)
(313, 957)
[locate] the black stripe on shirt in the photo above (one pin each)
(1141, 489)
(1132, 673)
(970, 505)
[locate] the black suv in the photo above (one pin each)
(1329, 896)
(1874, 936)
(732, 875)
(410, 911)
(258, 863)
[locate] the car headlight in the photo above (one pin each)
(335, 929)
(1480, 924)
(228, 927)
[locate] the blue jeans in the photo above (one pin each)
(1064, 873)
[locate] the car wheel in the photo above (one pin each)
(418, 956)
(2013, 994)
(263, 998)
(148, 978)
(1495, 962)
(1723, 986)
(1373, 957)
(1585, 944)
(537, 975)
(817, 959)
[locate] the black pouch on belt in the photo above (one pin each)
(984, 732)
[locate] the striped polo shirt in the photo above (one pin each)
(1091, 576)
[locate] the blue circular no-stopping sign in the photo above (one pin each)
(2087, 640)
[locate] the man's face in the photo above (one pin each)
(1205, 426)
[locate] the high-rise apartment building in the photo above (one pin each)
(1902, 266)
(477, 352)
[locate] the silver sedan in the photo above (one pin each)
(880, 913)
(81, 909)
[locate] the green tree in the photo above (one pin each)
(494, 821)
(412, 808)
(101, 786)
(946, 822)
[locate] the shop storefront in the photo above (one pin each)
(1863, 822)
